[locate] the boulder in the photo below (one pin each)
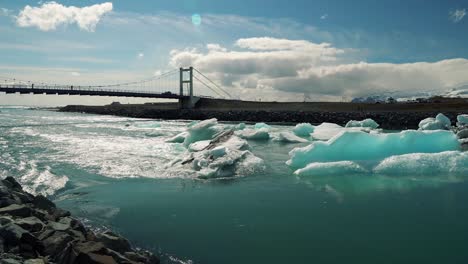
(6, 201)
(23, 197)
(34, 261)
(92, 258)
(58, 226)
(55, 243)
(43, 203)
(12, 233)
(32, 224)
(11, 183)
(9, 261)
(114, 242)
(16, 210)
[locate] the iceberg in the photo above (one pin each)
(326, 131)
(364, 123)
(262, 126)
(361, 146)
(240, 126)
(303, 130)
(204, 130)
(179, 138)
(439, 122)
(462, 120)
(288, 137)
(424, 164)
(331, 168)
(253, 134)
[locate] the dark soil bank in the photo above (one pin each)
(389, 116)
(34, 231)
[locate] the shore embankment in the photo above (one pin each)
(389, 116)
(33, 230)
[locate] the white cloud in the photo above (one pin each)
(50, 15)
(457, 15)
(5, 12)
(140, 55)
(282, 68)
(324, 16)
(75, 74)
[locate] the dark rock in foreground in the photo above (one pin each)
(34, 231)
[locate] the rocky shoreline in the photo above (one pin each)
(387, 120)
(33, 230)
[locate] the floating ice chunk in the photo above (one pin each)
(450, 162)
(303, 129)
(226, 160)
(203, 130)
(236, 143)
(180, 138)
(440, 122)
(199, 145)
(462, 119)
(364, 123)
(361, 146)
(253, 134)
(262, 126)
(330, 168)
(444, 120)
(218, 151)
(326, 131)
(287, 137)
(240, 126)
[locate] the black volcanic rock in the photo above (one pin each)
(34, 230)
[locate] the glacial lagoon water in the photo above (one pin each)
(119, 173)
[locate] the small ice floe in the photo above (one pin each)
(369, 123)
(288, 137)
(303, 130)
(204, 130)
(440, 122)
(462, 120)
(326, 131)
(254, 134)
(331, 168)
(262, 126)
(217, 153)
(179, 138)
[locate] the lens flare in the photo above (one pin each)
(196, 19)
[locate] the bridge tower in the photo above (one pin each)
(187, 101)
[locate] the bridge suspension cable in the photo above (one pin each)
(212, 82)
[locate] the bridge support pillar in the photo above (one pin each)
(188, 101)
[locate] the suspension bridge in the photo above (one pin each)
(175, 84)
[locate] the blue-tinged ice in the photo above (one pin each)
(439, 122)
(361, 146)
(262, 126)
(204, 130)
(462, 119)
(331, 168)
(425, 164)
(254, 134)
(288, 137)
(179, 138)
(364, 123)
(326, 131)
(303, 130)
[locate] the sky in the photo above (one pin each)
(323, 50)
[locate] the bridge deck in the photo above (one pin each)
(80, 91)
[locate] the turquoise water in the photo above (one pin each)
(111, 172)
